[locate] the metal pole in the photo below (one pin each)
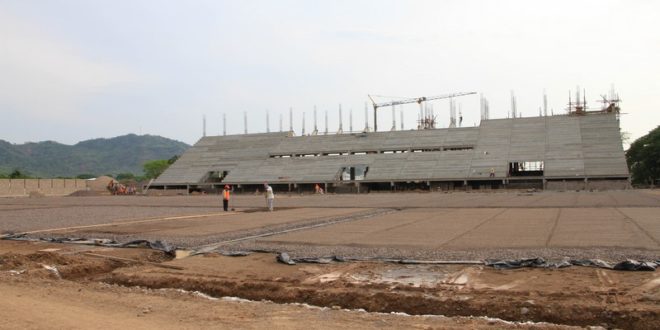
(316, 129)
(341, 128)
(326, 122)
(366, 117)
(350, 120)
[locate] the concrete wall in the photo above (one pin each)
(562, 185)
(4, 187)
(31, 185)
(49, 187)
(608, 184)
(591, 184)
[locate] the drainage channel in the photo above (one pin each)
(384, 300)
(491, 321)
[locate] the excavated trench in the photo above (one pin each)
(567, 308)
(573, 307)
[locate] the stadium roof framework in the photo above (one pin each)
(548, 147)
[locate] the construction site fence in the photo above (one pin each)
(47, 187)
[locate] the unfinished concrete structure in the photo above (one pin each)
(577, 151)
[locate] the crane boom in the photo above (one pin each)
(418, 100)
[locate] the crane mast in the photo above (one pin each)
(418, 100)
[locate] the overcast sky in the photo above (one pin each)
(75, 70)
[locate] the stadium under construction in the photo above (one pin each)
(574, 151)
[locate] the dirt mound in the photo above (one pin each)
(53, 265)
(99, 184)
(70, 262)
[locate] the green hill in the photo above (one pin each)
(121, 154)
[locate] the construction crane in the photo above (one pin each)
(418, 100)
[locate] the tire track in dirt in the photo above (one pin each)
(463, 234)
(634, 222)
(554, 228)
(406, 224)
(322, 222)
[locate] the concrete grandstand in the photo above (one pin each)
(564, 152)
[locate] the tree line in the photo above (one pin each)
(643, 159)
(151, 170)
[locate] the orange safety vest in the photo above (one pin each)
(225, 195)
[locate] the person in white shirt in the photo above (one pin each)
(270, 196)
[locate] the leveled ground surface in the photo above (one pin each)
(610, 225)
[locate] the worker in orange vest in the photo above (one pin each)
(225, 197)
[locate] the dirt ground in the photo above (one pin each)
(55, 285)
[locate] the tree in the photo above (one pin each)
(17, 174)
(643, 158)
(125, 176)
(154, 168)
(85, 176)
(625, 137)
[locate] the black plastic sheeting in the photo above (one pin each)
(236, 253)
(634, 265)
(154, 245)
(285, 259)
(628, 265)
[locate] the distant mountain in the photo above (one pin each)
(121, 154)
